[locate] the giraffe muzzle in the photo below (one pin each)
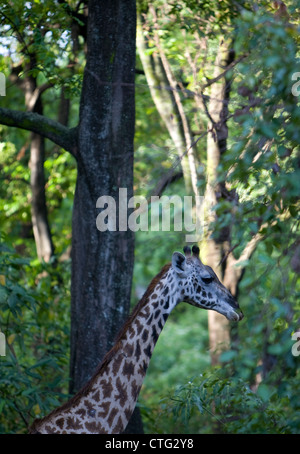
(236, 309)
(241, 315)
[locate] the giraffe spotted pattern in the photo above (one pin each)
(106, 403)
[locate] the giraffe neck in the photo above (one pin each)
(106, 403)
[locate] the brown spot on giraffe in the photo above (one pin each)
(93, 427)
(139, 327)
(119, 425)
(96, 396)
(121, 395)
(117, 363)
(73, 423)
(106, 388)
(81, 412)
(129, 350)
(103, 410)
(134, 389)
(112, 414)
(128, 369)
(145, 335)
(60, 422)
(137, 352)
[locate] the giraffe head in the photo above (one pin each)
(199, 285)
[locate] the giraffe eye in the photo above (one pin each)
(207, 280)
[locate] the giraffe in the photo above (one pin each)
(105, 404)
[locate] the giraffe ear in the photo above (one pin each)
(179, 262)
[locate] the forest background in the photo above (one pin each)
(216, 115)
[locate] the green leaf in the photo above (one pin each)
(228, 356)
(264, 392)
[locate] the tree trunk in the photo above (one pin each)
(64, 108)
(33, 103)
(217, 250)
(213, 248)
(39, 214)
(102, 262)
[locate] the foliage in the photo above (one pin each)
(185, 338)
(256, 387)
(263, 164)
(34, 318)
(225, 404)
(261, 377)
(15, 201)
(40, 32)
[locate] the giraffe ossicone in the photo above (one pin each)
(105, 404)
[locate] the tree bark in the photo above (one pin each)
(64, 108)
(217, 251)
(102, 262)
(212, 248)
(39, 212)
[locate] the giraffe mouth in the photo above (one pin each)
(235, 316)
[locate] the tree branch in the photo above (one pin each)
(50, 129)
(235, 268)
(165, 181)
(37, 93)
(249, 249)
(219, 76)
